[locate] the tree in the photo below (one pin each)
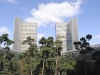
(50, 60)
(58, 44)
(80, 66)
(47, 51)
(1, 61)
(31, 49)
(96, 57)
(84, 46)
(6, 42)
(43, 50)
(20, 56)
(66, 63)
(9, 58)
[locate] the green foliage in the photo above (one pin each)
(80, 66)
(46, 61)
(66, 63)
(96, 57)
(84, 47)
(28, 41)
(6, 56)
(4, 39)
(43, 41)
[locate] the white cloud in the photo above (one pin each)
(97, 37)
(10, 1)
(4, 30)
(54, 12)
(52, 24)
(39, 36)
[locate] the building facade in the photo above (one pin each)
(22, 30)
(70, 32)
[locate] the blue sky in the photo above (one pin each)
(47, 12)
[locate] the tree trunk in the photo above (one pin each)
(43, 67)
(30, 66)
(49, 68)
(21, 68)
(5, 54)
(56, 72)
(85, 63)
(0, 44)
(31, 71)
(56, 64)
(66, 72)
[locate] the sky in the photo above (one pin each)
(47, 12)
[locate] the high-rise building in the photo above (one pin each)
(22, 30)
(70, 32)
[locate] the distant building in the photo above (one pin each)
(76, 54)
(96, 47)
(70, 32)
(22, 30)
